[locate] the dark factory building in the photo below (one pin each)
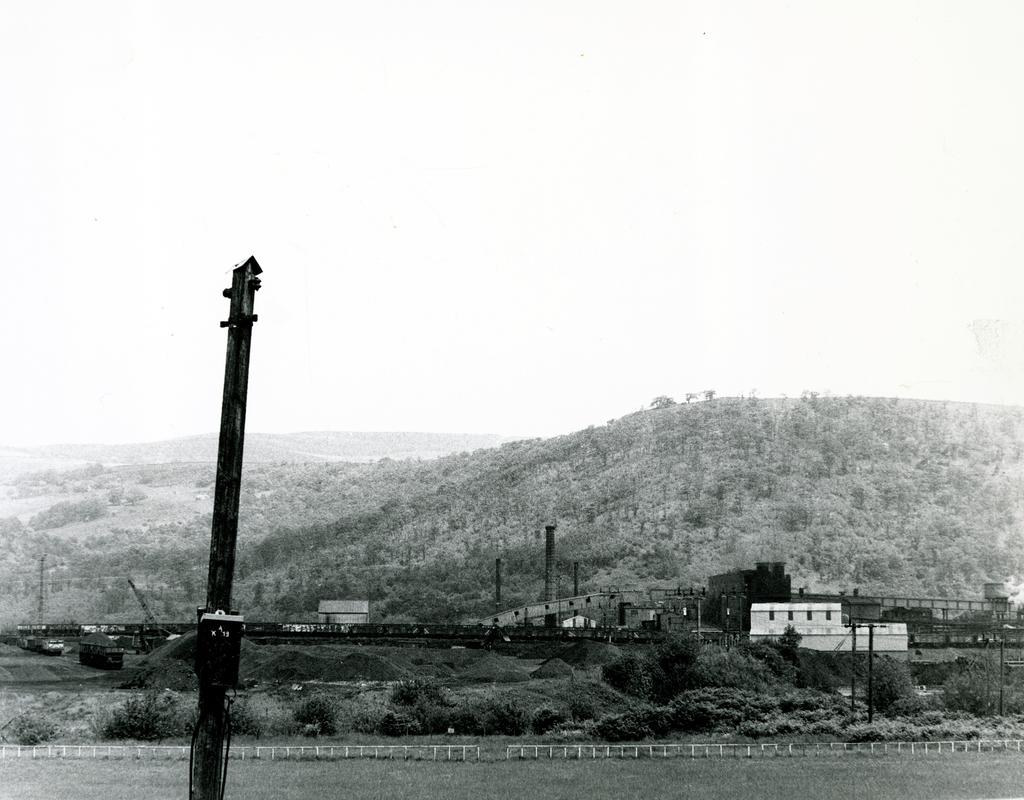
(730, 595)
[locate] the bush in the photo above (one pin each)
(771, 727)
(245, 721)
(546, 718)
(367, 720)
(582, 704)
(33, 729)
(674, 661)
(398, 723)
(317, 712)
(433, 718)
(505, 716)
(417, 690)
(632, 674)
(771, 657)
(490, 715)
(702, 710)
(629, 727)
(891, 683)
(729, 668)
(149, 716)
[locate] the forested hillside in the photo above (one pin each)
(904, 497)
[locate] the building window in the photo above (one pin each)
(828, 615)
(771, 614)
(809, 614)
(790, 615)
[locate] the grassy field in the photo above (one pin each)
(850, 778)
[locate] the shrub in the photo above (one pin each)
(433, 718)
(582, 704)
(702, 710)
(398, 723)
(245, 721)
(317, 711)
(412, 692)
(674, 660)
(630, 726)
(367, 720)
(632, 674)
(505, 716)
(778, 725)
(770, 656)
(490, 715)
(33, 729)
(891, 683)
(967, 692)
(810, 700)
(148, 716)
(262, 715)
(546, 718)
(912, 706)
(729, 668)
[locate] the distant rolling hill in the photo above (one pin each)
(290, 448)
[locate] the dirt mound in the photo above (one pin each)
(553, 668)
(296, 664)
(172, 665)
(492, 668)
(588, 653)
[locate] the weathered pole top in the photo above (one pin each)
(250, 264)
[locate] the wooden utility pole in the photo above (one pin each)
(853, 667)
(207, 766)
(871, 686)
(1002, 637)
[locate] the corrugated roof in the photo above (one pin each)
(795, 607)
(344, 607)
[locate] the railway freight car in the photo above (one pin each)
(41, 644)
(99, 650)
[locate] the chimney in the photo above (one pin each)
(497, 584)
(550, 620)
(549, 562)
(575, 578)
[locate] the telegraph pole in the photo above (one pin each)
(1002, 636)
(853, 666)
(871, 659)
(208, 773)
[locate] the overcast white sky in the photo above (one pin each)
(518, 218)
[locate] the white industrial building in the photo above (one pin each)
(821, 627)
(351, 612)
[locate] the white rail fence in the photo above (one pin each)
(519, 751)
(595, 751)
(427, 752)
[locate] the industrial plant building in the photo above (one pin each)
(345, 612)
(821, 626)
(760, 603)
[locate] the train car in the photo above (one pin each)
(42, 644)
(99, 650)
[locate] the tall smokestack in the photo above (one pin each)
(549, 562)
(550, 620)
(497, 584)
(575, 578)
